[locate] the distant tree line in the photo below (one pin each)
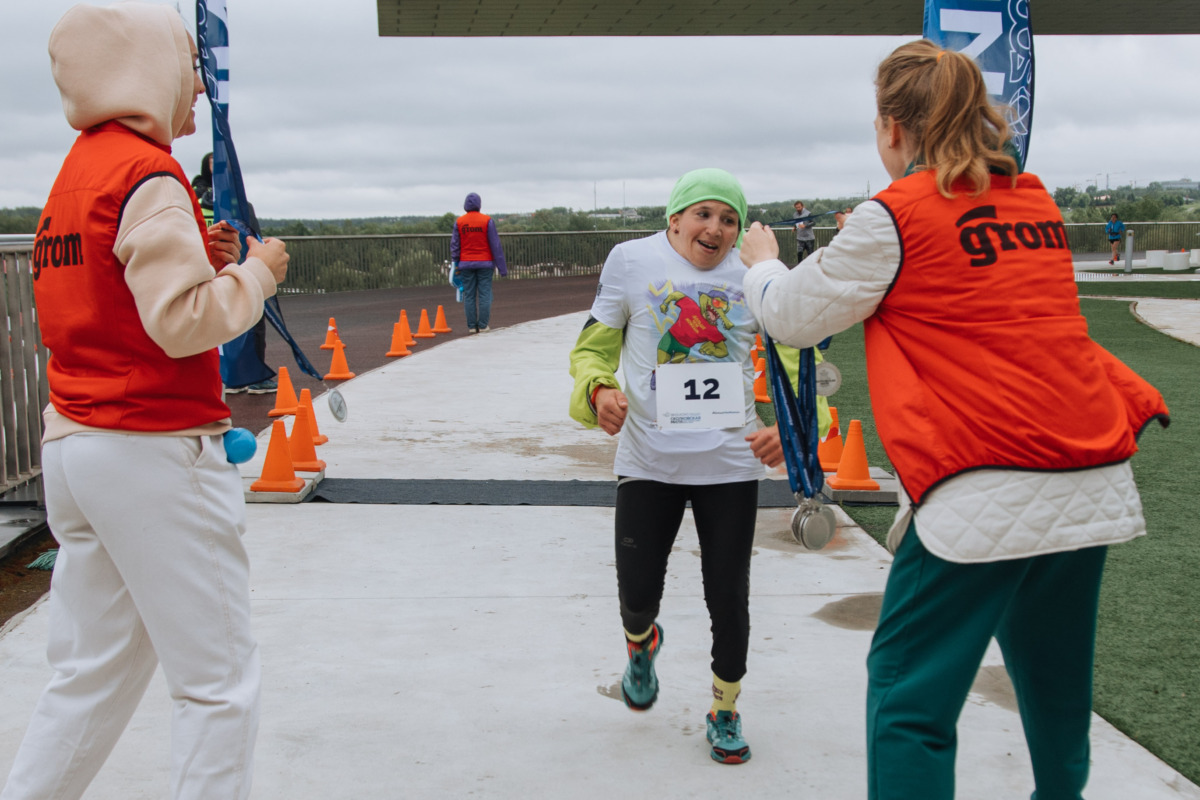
(544, 220)
(19, 220)
(1145, 204)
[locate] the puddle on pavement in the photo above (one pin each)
(993, 685)
(597, 455)
(782, 541)
(861, 613)
(590, 455)
(613, 692)
(858, 612)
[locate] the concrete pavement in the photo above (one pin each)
(476, 651)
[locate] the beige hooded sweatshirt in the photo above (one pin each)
(132, 62)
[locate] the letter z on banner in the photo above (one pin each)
(999, 36)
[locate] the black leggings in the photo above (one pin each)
(648, 517)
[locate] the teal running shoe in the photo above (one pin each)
(639, 687)
(725, 736)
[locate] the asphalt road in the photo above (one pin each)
(365, 320)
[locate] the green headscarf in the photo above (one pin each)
(709, 184)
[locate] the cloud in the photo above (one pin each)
(331, 120)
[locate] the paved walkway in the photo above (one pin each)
(476, 651)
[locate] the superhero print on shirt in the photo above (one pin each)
(698, 331)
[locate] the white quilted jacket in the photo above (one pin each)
(977, 516)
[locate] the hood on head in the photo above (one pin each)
(472, 203)
(129, 62)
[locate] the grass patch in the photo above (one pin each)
(1172, 290)
(1148, 643)
(1118, 269)
(1147, 682)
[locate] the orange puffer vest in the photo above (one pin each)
(104, 369)
(979, 356)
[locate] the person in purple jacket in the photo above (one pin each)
(474, 252)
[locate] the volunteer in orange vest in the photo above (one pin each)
(134, 293)
(1010, 430)
(475, 252)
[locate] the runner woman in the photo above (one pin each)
(677, 297)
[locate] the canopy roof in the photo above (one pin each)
(754, 17)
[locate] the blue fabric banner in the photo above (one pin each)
(999, 36)
(212, 40)
(240, 364)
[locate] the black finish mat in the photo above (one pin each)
(771, 494)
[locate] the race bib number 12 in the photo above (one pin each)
(700, 395)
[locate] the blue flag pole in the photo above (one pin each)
(999, 36)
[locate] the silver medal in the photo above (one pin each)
(828, 378)
(813, 523)
(337, 405)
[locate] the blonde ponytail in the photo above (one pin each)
(939, 98)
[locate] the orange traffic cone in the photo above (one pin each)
(339, 370)
(760, 382)
(306, 401)
(439, 322)
(853, 472)
(278, 474)
(409, 341)
(300, 444)
(399, 348)
(423, 329)
(331, 335)
(829, 451)
(285, 396)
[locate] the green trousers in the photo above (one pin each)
(937, 620)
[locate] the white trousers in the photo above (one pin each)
(150, 569)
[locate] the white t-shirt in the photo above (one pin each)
(705, 319)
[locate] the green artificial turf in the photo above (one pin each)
(1148, 643)
(1184, 290)
(1147, 678)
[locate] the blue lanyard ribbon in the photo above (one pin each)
(796, 416)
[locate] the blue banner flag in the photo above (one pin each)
(998, 35)
(240, 363)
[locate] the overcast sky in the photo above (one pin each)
(330, 120)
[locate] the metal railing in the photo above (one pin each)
(344, 263)
(1089, 237)
(23, 389)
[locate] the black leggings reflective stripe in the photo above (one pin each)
(648, 517)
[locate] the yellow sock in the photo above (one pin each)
(641, 637)
(725, 694)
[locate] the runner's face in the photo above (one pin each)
(707, 232)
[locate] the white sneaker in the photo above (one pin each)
(484, 329)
